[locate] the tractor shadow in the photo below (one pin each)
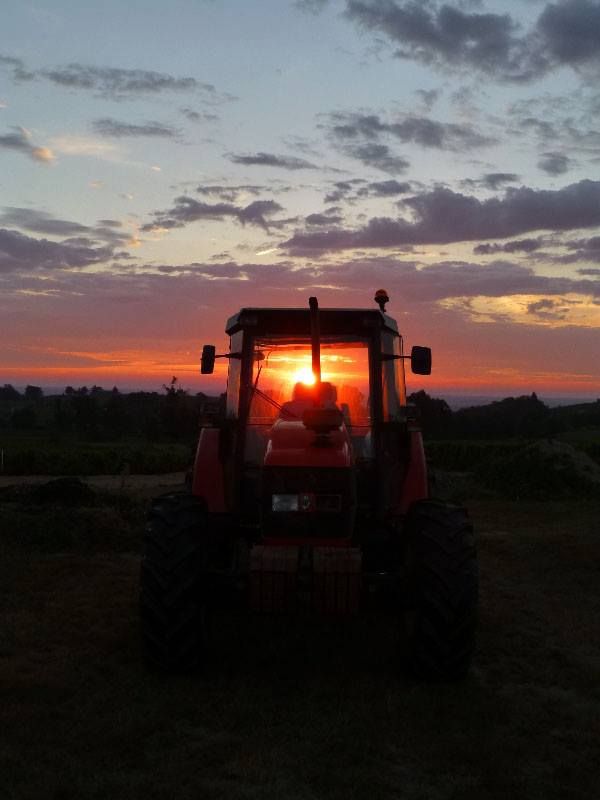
(305, 646)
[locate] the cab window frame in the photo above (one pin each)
(393, 380)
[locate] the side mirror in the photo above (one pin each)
(207, 363)
(420, 360)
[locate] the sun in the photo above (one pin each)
(304, 375)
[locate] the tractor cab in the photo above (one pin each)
(284, 387)
(316, 414)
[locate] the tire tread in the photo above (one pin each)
(172, 597)
(445, 586)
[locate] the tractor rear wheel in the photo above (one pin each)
(173, 591)
(443, 587)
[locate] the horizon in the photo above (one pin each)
(455, 400)
(446, 152)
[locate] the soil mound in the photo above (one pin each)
(61, 491)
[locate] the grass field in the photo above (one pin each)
(42, 455)
(296, 708)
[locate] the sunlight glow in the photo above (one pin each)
(304, 375)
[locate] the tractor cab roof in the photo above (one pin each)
(296, 321)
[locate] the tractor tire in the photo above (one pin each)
(173, 586)
(443, 581)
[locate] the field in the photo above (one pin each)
(294, 708)
(46, 455)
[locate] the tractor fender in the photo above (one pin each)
(415, 483)
(208, 480)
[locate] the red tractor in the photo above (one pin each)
(312, 491)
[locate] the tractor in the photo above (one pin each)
(311, 493)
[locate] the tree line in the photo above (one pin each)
(514, 417)
(97, 414)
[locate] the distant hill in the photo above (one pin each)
(457, 402)
(526, 416)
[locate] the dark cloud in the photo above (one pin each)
(410, 129)
(20, 140)
(548, 309)
(198, 116)
(555, 163)
(257, 212)
(106, 126)
(566, 33)
(492, 180)
(343, 190)
(428, 97)
(359, 136)
(580, 250)
(584, 140)
(442, 216)
(229, 193)
(301, 144)
(590, 245)
(516, 246)
(545, 130)
(390, 188)
(571, 32)
(17, 66)
(439, 281)
(580, 103)
(449, 37)
(115, 82)
(186, 210)
(41, 222)
(108, 231)
(328, 219)
(378, 156)
(355, 188)
(465, 99)
(24, 253)
(561, 124)
(454, 279)
(110, 223)
(271, 160)
(225, 255)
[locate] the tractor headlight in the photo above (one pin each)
(285, 502)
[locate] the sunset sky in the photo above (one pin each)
(162, 165)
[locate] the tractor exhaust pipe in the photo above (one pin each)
(315, 338)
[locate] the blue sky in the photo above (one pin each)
(162, 165)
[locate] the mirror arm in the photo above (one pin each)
(229, 355)
(391, 357)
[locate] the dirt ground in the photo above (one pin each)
(300, 708)
(114, 483)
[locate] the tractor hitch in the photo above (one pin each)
(287, 578)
